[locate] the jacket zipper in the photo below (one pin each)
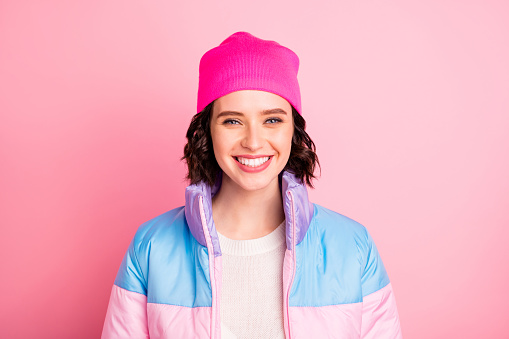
(210, 249)
(212, 266)
(294, 241)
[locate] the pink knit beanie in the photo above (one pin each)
(243, 61)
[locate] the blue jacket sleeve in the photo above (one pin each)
(380, 317)
(126, 316)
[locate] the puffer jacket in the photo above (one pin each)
(334, 282)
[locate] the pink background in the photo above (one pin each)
(407, 102)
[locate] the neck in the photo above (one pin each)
(240, 214)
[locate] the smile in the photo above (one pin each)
(252, 162)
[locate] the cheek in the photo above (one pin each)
(219, 146)
(216, 147)
(285, 142)
(215, 143)
(289, 137)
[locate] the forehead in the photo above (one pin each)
(251, 101)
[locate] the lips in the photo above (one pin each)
(252, 164)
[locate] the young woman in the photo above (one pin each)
(249, 256)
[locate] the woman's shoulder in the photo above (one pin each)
(163, 228)
(341, 234)
(159, 250)
(339, 228)
(334, 221)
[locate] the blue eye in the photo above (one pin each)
(230, 122)
(273, 120)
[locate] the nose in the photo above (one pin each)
(253, 138)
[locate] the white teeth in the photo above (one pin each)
(252, 162)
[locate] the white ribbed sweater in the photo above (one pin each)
(252, 286)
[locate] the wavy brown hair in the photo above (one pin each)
(202, 164)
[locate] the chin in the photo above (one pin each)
(254, 184)
(252, 188)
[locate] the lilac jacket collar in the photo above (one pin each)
(294, 195)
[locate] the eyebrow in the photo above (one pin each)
(264, 112)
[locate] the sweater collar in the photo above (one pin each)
(294, 194)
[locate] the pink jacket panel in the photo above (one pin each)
(126, 316)
(319, 322)
(380, 317)
(170, 321)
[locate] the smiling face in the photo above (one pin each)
(252, 138)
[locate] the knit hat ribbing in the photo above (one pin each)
(243, 61)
